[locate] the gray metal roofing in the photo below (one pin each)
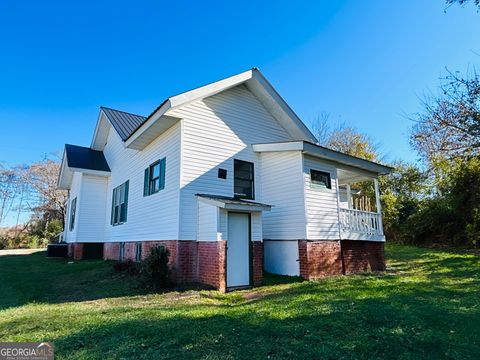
(231, 200)
(124, 123)
(85, 158)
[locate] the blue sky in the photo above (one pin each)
(364, 62)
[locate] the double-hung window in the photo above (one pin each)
(73, 211)
(243, 180)
(154, 178)
(120, 204)
(320, 179)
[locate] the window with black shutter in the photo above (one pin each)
(154, 179)
(120, 204)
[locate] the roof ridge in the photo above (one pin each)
(121, 111)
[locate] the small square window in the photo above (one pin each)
(222, 173)
(320, 179)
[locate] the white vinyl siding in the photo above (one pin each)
(282, 187)
(153, 217)
(207, 221)
(91, 216)
(213, 223)
(216, 131)
(321, 204)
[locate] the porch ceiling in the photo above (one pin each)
(351, 177)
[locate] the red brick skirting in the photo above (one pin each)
(75, 251)
(361, 256)
(257, 265)
(191, 261)
(323, 258)
(319, 259)
(212, 263)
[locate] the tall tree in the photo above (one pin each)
(8, 191)
(449, 125)
(42, 177)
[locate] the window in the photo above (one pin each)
(121, 249)
(138, 252)
(243, 180)
(154, 178)
(73, 211)
(320, 179)
(120, 204)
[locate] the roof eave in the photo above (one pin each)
(326, 154)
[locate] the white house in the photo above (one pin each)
(230, 180)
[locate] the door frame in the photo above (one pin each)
(250, 253)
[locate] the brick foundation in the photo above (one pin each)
(191, 261)
(257, 259)
(319, 259)
(75, 251)
(323, 258)
(212, 263)
(361, 256)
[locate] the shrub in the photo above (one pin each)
(155, 270)
(129, 266)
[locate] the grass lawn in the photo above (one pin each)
(427, 305)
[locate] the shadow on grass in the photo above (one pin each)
(427, 306)
(320, 326)
(36, 278)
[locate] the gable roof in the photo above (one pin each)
(124, 123)
(80, 157)
(137, 131)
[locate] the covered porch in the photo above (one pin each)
(360, 213)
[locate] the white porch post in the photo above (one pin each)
(379, 206)
(349, 197)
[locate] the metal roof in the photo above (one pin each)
(85, 158)
(124, 123)
(235, 202)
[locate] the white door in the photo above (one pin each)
(238, 251)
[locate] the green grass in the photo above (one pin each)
(427, 305)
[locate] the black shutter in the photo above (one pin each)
(113, 206)
(146, 182)
(162, 173)
(126, 199)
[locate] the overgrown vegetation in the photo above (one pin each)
(32, 191)
(155, 270)
(426, 306)
(435, 201)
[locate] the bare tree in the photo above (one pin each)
(463, 2)
(42, 177)
(449, 125)
(344, 138)
(8, 191)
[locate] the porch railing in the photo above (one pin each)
(359, 221)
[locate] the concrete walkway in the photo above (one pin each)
(19, 251)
